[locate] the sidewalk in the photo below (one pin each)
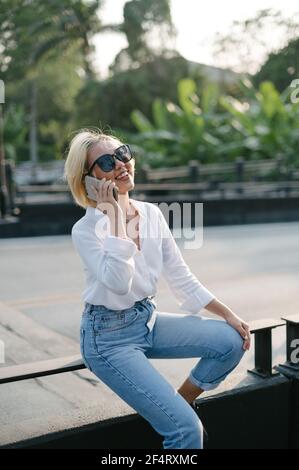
(254, 269)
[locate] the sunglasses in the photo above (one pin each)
(106, 162)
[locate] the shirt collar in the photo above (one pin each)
(94, 212)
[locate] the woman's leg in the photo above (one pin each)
(190, 391)
(219, 346)
(115, 353)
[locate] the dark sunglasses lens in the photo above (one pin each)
(106, 163)
(123, 153)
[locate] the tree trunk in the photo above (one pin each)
(33, 130)
(3, 187)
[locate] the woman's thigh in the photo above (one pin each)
(113, 348)
(127, 371)
(184, 336)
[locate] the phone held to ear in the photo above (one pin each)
(90, 181)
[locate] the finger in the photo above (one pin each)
(243, 332)
(110, 190)
(247, 341)
(105, 189)
(246, 328)
(102, 188)
(110, 186)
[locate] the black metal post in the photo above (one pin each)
(239, 162)
(194, 171)
(262, 331)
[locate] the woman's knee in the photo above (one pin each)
(234, 343)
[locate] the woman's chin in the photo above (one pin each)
(125, 186)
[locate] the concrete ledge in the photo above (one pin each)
(245, 412)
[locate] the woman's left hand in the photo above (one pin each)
(241, 326)
(219, 308)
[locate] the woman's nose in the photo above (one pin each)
(119, 164)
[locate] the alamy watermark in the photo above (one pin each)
(158, 221)
(2, 92)
(295, 354)
(295, 94)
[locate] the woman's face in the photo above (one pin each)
(109, 146)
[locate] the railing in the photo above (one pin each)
(261, 329)
(259, 410)
(240, 170)
(247, 179)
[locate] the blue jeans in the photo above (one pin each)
(116, 346)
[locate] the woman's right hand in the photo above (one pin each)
(105, 199)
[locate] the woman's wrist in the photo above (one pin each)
(219, 308)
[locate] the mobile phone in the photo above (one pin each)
(90, 181)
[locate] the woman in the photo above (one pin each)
(121, 328)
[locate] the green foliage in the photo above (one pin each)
(281, 66)
(110, 102)
(14, 131)
(48, 44)
(212, 127)
(34, 31)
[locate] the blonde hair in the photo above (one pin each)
(75, 163)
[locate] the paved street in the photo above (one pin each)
(252, 268)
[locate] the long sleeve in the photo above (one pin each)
(110, 261)
(190, 293)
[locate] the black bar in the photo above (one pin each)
(40, 369)
(262, 330)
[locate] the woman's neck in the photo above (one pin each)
(124, 202)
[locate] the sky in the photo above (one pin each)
(196, 23)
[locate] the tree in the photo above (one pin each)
(111, 101)
(35, 32)
(248, 43)
(149, 31)
(282, 67)
(36, 36)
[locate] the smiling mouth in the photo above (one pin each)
(123, 176)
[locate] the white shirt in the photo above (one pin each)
(118, 274)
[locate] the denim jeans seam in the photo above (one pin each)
(83, 349)
(143, 391)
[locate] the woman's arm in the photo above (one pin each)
(109, 261)
(188, 290)
(191, 294)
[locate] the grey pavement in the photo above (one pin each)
(252, 268)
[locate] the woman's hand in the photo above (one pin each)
(105, 199)
(219, 308)
(241, 326)
(109, 206)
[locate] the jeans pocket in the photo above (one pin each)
(114, 320)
